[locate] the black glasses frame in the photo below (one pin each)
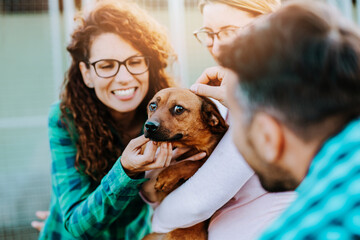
(146, 58)
(213, 34)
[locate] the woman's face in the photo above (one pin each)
(123, 92)
(218, 16)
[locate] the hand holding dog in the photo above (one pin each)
(147, 188)
(212, 83)
(179, 151)
(135, 162)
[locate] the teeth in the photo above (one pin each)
(124, 92)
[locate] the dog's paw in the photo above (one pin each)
(154, 236)
(167, 181)
(174, 175)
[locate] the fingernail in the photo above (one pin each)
(203, 154)
(194, 88)
(34, 224)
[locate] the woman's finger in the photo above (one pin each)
(206, 91)
(177, 152)
(165, 151)
(169, 156)
(161, 157)
(138, 142)
(37, 225)
(210, 74)
(218, 93)
(43, 215)
(149, 153)
(196, 157)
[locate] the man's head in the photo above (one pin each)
(299, 83)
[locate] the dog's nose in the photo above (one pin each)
(152, 126)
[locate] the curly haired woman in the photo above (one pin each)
(118, 56)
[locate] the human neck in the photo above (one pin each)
(298, 154)
(306, 148)
(125, 120)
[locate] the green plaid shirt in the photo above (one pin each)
(81, 208)
(328, 206)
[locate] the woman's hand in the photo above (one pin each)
(134, 161)
(177, 152)
(148, 190)
(42, 215)
(212, 83)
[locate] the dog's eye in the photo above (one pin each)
(178, 109)
(152, 106)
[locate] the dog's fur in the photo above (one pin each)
(186, 120)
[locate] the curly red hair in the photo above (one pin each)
(98, 145)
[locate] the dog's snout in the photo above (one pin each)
(152, 126)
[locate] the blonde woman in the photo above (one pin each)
(225, 188)
(221, 20)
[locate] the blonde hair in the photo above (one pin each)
(256, 7)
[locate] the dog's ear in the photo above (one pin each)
(212, 117)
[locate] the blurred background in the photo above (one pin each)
(33, 61)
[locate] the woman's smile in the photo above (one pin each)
(125, 93)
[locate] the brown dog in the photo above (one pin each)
(186, 120)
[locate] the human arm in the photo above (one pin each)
(87, 207)
(214, 184)
(212, 83)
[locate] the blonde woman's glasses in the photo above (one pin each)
(206, 37)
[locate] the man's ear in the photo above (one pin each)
(85, 72)
(267, 137)
(211, 115)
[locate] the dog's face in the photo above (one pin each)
(182, 117)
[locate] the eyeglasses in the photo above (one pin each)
(107, 68)
(206, 37)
